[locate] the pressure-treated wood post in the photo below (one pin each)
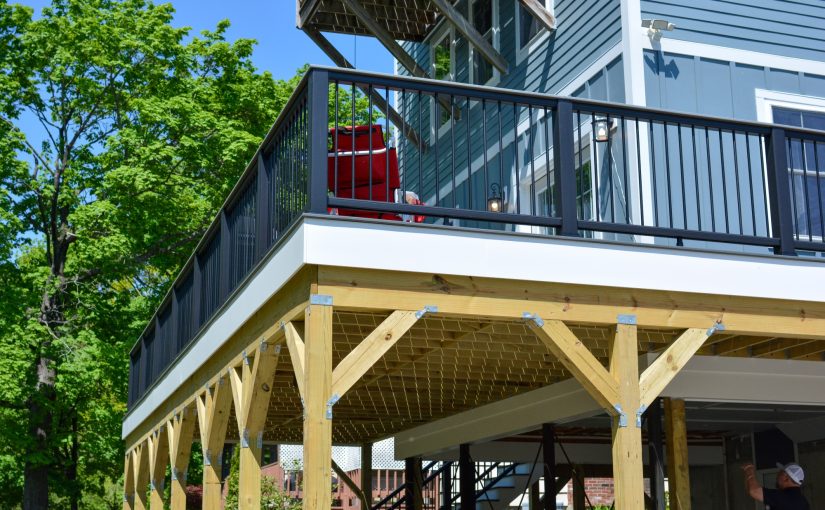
(628, 476)
(318, 404)
(251, 388)
(180, 429)
(214, 406)
(128, 483)
(678, 474)
(366, 473)
(158, 459)
(140, 467)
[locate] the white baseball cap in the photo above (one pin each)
(794, 472)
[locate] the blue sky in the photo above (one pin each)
(282, 48)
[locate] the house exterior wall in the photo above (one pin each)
(791, 29)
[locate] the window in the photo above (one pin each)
(806, 159)
(529, 30)
(484, 18)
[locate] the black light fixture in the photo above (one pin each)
(494, 200)
(601, 129)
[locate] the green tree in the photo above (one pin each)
(140, 132)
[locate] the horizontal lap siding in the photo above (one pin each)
(779, 27)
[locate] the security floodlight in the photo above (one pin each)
(655, 26)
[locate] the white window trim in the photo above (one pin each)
(538, 40)
(496, 28)
(767, 99)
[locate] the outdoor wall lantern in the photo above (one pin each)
(494, 200)
(601, 129)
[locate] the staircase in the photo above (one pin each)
(512, 482)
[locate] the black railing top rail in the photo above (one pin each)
(397, 82)
(229, 202)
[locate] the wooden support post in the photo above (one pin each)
(158, 460)
(414, 482)
(467, 478)
(317, 404)
(548, 448)
(180, 429)
(214, 406)
(128, 483)
(366, 474)
(678, 474)
(628, 474)
(656, 472)
(251, 388)
(140, 468)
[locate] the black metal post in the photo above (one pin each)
(366, 472)
(467, 478)
(564, 174)
(656, 471)
(447, 486)
(413, 486)
(225, 247)
(548, 448)
(779, 193)
(317, 132)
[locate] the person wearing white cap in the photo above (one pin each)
(788, 492)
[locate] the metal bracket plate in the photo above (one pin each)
(716, 328)
(626, 319)
(331, 402)
(639, 413)
(527, 316)
(320, 299)
(622, 416)
(424, 311)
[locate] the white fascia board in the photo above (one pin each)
(258, 288)
(754, 58)
(749, 380)
(517, 256)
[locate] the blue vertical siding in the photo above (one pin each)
(715, 87)
(781, 27)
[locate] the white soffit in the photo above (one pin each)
(444, 250)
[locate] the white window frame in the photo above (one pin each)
(496, 29)
(522, 52)
(447, 31)
(766, 100)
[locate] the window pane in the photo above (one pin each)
(441, 60)
(483, 22)
(528, 26)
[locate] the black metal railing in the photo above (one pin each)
(481, 157)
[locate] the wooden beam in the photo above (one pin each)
(214, 406)
(377, 99)
(537, 10)
(158, 460)
(669, 363)
(140, 468)
(317, 393)
(297, 355)
(351, 484)
(251, 389)
(628, 475)
(678, 473)
(472, 35)
(496, 299)
(128, 483)
(305, 13)
(365, 354)
(575, 356)
(180, 429)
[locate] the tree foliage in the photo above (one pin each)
(120, 136)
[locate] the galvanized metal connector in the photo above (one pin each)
(320, 299)
(260, 441)
(527, 316)
(717, 326)
(626, 319)
(245, 358)
(424, 311)
(331, 402)
(245, 439)
(639, 413)
(622, 416)
(207, 458)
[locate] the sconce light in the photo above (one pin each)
(601, 129)
(494, 200)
